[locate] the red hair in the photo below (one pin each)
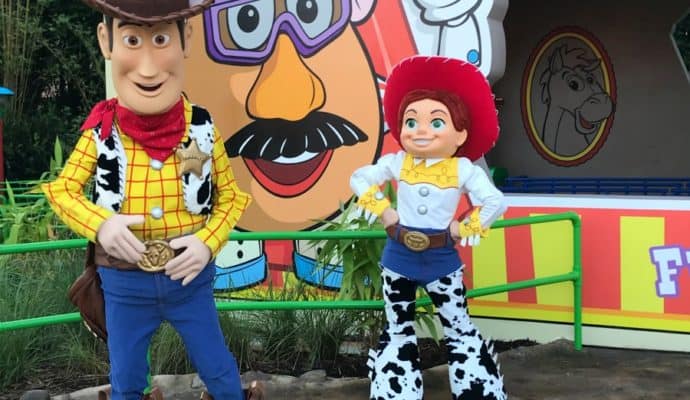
(457, 109)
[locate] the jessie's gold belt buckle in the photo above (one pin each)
(416, 241)
(157, 254)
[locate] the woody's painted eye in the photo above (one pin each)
(161, 39)
(132, 41)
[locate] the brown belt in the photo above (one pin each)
(158, 253)
(415, 240)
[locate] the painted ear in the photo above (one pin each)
(593, 65)
(361, 10)
(104, 40)
(187, 39)
(556, 60)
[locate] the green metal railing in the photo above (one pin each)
(19, 191)
(575, 275)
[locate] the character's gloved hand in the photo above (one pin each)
(190, 262)
(118, 241)
(470, 230)
(372, 204)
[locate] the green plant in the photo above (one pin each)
(361, 271)
(358, 257)
(24, 222)
(293, 340)
(33, 285)
(27, 216)
(271, 341)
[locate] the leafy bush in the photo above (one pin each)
(25, 215)
(269, 341)
(51, 60)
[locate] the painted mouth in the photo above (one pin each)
(149, 88)
(422, 142)
(289, 180)
(287, 158)
(583, 125)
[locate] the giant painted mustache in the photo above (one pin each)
(269, 139)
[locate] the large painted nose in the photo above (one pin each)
(147, 67)
(286, 88)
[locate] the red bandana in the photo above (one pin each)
(158, 134)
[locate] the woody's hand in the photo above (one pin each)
(470, 230)
(118, 241)
(188, 264)
(372, 204)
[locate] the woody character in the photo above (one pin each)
(164, 199)
(441, 111)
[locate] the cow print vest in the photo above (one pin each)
(111, 167)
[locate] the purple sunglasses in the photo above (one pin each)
(244, 32)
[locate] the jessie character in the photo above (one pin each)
(442, 113)
(164, 200)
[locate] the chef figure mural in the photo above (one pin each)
(295, 89)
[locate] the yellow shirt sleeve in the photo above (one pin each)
(228, 204)
(66, 193)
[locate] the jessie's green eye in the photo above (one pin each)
(411, 123)
(438, 124)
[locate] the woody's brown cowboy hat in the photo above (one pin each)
(150, 11)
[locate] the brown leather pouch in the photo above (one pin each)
(87, 295)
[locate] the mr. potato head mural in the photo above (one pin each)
(294, 87)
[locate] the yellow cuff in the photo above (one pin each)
(374, 201)
(473, 226)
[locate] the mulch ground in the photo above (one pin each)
(56, 381)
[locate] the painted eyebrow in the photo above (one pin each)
(439, 111)
(411, 110)
(125, 23)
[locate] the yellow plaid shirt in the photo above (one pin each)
(145, 189)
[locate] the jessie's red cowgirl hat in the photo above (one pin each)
(450, 75)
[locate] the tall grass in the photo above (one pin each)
(19, 29)
(33, 285)
(285, 341)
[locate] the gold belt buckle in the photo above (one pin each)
(157, 254)
(416, 241)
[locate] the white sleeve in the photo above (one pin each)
(482, 192)
(384, 170)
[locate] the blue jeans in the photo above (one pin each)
(137, 302)
(425, 266)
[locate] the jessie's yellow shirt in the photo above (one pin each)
(146, 189)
